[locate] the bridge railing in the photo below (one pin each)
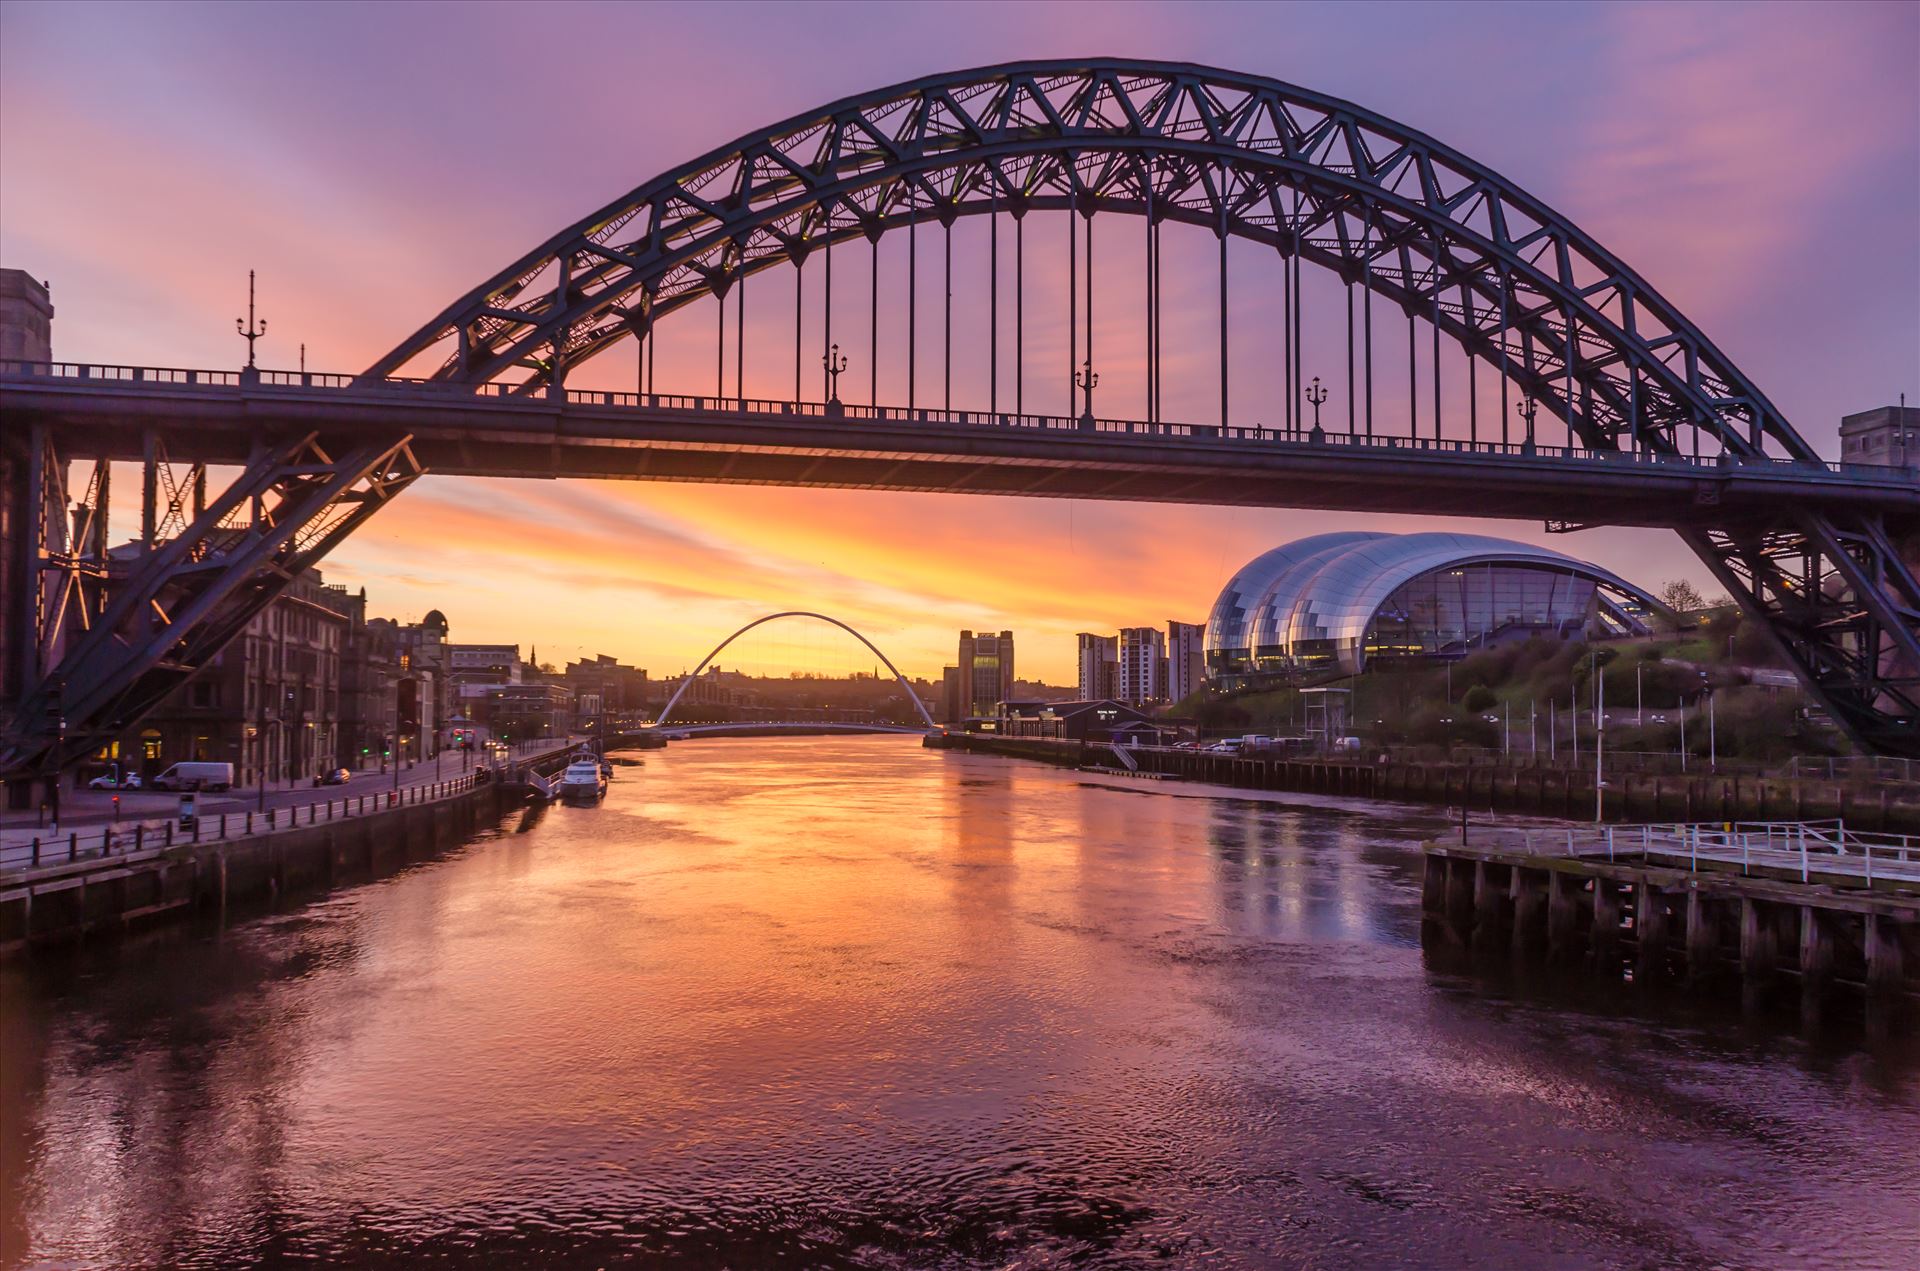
(150, 376)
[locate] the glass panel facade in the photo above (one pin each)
(1331, 602)
(1450, 611)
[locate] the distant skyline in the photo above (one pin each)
(1759, 164)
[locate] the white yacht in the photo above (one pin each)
(584, 778)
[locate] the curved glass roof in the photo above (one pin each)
(1330, 586)
(1230, 624)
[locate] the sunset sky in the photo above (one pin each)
(1760, 164)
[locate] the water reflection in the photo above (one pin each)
(848, 1002)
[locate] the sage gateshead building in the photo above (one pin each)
(1334, 604)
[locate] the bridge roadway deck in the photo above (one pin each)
(214, 416)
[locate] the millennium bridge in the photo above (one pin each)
(1544, 379)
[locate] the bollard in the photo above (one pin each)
(139, 836)
(169, 834)
(36, 851)
(73, 845)
(223, 825)
(249, 824)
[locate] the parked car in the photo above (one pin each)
(337, 777)
(111, 781)
(196, 775)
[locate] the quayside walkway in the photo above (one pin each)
(111, 877)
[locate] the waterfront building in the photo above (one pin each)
(1099, 659)
(518, 712)
(950, 696)
(986, 671)
(1186, 659)
(713, 687)
(1099, 720)
(603, 686)
(1334, 604)
(369, 669)
(476, 668)
(1139, 672)
(424, 650)
(270, 702)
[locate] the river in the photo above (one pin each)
(847, 1002)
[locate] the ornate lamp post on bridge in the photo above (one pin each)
(1528, 408)
(835, 361)
(1316, 395)
(1086, 381)
(250, 330)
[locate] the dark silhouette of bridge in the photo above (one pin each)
(1605, 404)
(688, 681)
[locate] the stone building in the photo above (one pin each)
(269, 702)
(1889, 435)
(603, 686)
(519, 712)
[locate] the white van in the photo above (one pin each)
(195, 776)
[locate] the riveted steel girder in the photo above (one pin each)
(1388, 207)
(179, 605)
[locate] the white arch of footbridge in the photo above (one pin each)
(905, 687)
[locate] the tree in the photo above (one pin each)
(1682, 596)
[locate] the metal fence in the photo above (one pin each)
(1798, 768)
(128, 838)
(1808, 847)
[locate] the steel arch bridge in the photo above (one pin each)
(666, 712)
(1656, 425)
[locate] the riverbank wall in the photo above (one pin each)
(1564, 792)
(309, 849)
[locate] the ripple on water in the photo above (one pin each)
(852, 1003)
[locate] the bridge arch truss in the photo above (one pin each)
(1402, 220)
(1393, 212)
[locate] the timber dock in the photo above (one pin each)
(1746, 901)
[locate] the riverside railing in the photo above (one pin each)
(1828, 847)
(126, 838)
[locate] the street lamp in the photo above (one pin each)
(1528, 408)
(250, 330)
(1316, 395)
(835, 362)
(1086, 380)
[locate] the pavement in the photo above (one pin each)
(88, 812)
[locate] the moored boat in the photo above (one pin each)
(585, 778)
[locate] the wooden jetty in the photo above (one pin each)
(1762, 900)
